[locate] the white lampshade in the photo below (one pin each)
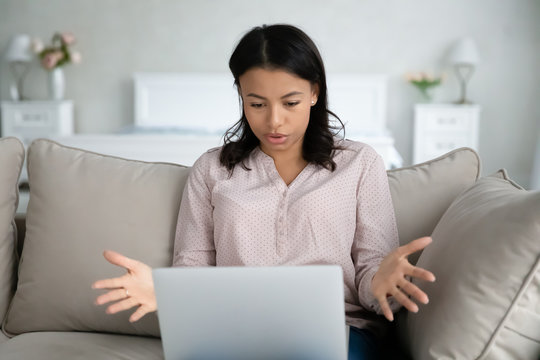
(464, 52)
(19, 49)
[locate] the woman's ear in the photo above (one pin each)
(314, 93)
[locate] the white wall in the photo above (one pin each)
(119, 37)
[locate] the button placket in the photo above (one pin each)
(282, 224)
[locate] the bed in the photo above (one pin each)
(178, 116)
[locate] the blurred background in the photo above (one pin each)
(117, 38)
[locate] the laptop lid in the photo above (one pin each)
(259, 313)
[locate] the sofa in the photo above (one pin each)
(485, 303)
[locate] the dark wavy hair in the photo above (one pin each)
(287, 48)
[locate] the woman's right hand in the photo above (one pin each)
(135, 288)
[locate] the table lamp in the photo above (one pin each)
(464, 57)
(19, 55)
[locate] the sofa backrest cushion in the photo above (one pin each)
(81, 204)
(421, 193)
(485, 255)
(11, 163)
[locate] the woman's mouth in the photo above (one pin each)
(276, 138)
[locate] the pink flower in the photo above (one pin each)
(75, 57)
(67, 38)
(417, 77)
(50, 60)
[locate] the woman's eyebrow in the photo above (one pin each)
(283, 97)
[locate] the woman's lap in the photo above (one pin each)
(363, 345)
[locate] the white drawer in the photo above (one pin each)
(31, 118)
(440, 128)
(28, 120)
(448, 122)
(440, 144)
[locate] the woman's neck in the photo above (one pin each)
(288, 164)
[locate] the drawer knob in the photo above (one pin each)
(447, 121)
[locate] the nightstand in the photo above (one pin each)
(29, 120)
(439, 128)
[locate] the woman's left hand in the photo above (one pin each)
(390, 279)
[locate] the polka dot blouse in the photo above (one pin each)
(253, 218)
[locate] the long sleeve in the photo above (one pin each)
(376, 231)
(194, 240)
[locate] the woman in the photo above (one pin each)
(285, 190)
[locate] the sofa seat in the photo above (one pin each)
(80, 345)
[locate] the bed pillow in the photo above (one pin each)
(82, 203)
(421, 193)
(486, 258)
(11, 162)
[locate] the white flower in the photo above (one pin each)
(36, 45)
(75, 57)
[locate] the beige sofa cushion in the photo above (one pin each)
(486, 257)
(422, 193)
(11, 162)
(80, 345)
(82, 203)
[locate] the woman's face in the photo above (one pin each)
(277, 105)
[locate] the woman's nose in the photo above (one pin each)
(275, 118)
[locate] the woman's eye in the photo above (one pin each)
(256, 106)
(292, 103)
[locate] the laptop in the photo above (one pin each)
(251, 313)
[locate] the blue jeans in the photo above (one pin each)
(363, 345)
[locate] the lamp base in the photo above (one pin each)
(19, 69)
(464, 73)
(14, 92)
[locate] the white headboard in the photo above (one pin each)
(208, 102)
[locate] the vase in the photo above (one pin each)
(428, 93)
(57, 84)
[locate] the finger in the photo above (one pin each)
(122, 305)
(109, 283)
(137, 315)
(386, 308)
(414, 291)
(420, 273)
(404, 300)
(416, 245)
(113, 295)
(118, 259)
